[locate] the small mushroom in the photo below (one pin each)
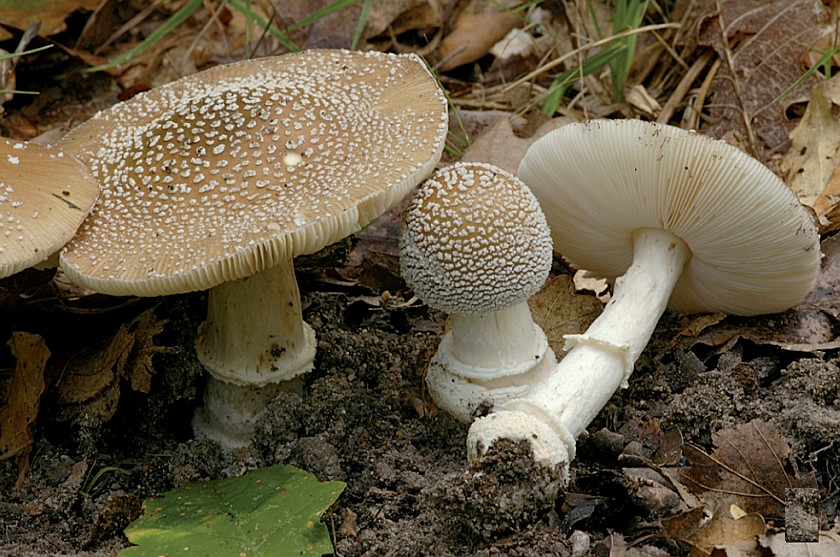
(684, 221)
(476, 245)
(218, 180)
(44, 196)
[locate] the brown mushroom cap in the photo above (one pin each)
(754, 247)
(474, 240)
(44, 196)
(224, 173)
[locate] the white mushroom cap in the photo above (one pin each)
(224, 173)
(44, 196)
(474, 240)
(754, 248)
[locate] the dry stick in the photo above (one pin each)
(702, 93)
(683, 87)
(557, 61)
(735, 83)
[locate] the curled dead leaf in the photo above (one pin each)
(17, 418)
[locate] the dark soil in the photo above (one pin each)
(363, 417)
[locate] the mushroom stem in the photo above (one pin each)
(254, 336)
(255, 333)
(599, 361)
(495, 343)
(493, 357)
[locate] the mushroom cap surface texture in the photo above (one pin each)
(474, 240)
(224, 173)
(754, 247)
(44, 196)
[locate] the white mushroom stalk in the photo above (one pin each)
(218, 180)
(677, 217)
(254, 338)
(475, 244)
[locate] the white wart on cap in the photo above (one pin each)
(224, 173)
(44, 196)
(476, 244)
(474, 240)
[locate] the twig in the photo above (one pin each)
(683, 87)
(735, 83)
(557, 61)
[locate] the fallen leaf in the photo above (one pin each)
(396, 17)
(92, 382)
(827, 546)
(476, 29)
(17, 418)
(810, 165)
(771, 38)
(719, 522)
(824, 294)
(751, 462)
(50, 14)
(500, 146)
(560, 311)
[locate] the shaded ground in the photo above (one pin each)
(363, 418)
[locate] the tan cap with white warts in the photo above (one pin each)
(475, 240)
(44, 196)
(225, 173)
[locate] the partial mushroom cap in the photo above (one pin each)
(754, 248)
(44, 196)
(474, 240)
(224, 173)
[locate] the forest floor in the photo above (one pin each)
(652, 477)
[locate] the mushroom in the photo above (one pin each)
(476, 245)
(685, 221)
(218, 180)
(44, 196)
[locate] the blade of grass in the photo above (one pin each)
(319, 14)
(174, 21)
(628, 15)
(822, 60)
(361, 24)
(272, 30)
(11, 55)
(551, 101)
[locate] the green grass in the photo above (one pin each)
(244, 7)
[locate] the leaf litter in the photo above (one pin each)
(366, 416)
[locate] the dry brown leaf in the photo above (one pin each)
(401, 16)
(751, 462)
(810, 165)
(560, 311)
(50, 14)
(772, 37)
(479, 26)
(824, 294)
(721, 522)
(17, 418)
(500, 146)
(828, 546)
(92, 381)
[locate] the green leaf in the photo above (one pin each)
(272, 512)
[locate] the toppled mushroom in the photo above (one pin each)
(684, 221)
(476, 245)
(44, 196)
(218, 180)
